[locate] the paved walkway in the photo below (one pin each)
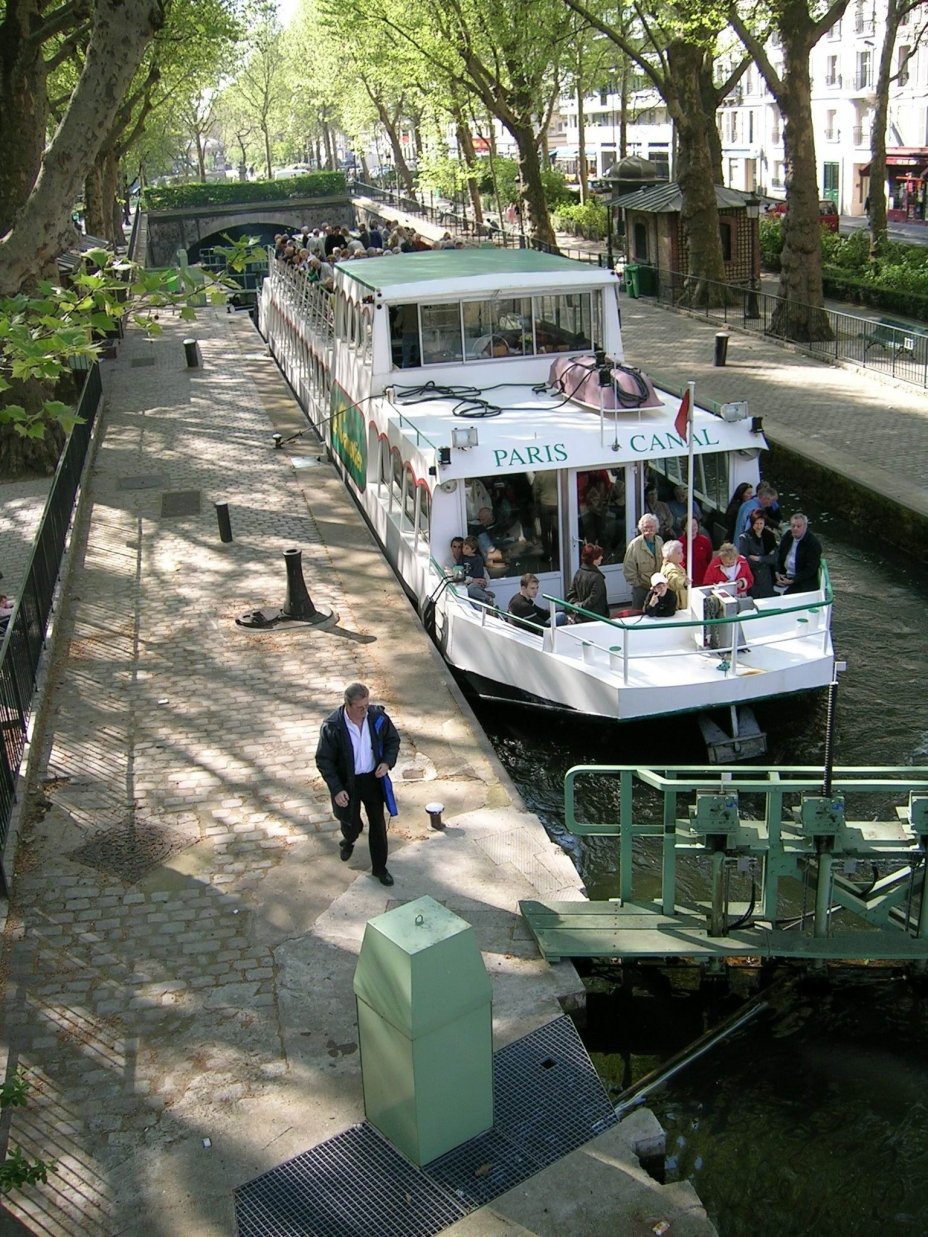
(178, 956)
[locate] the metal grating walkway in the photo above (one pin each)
(548, 1100)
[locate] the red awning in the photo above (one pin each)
(915, 157)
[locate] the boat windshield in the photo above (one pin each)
(456, 331)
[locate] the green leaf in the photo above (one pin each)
(188, 315)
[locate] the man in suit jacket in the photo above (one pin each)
(358, 746)
(798, 557)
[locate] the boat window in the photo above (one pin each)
(712, 487)
(441, 333)
(501, 327)
(563, 323)
(396, 492)
(404, 336)
(515, 520)
(601, 511)
(409, 499)
(367, 330)
(425, 515)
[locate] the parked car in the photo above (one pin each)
(827, 213)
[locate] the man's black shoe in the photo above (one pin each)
(344, 851)
(384, 877)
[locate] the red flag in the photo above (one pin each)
(682, 419)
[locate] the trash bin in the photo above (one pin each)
(721, 347)
(631, 280)
(425, 1029)
(647, 280)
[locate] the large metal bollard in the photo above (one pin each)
(721, 348)
(299, 604)
(192, 353)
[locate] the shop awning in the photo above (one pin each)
(914, 157)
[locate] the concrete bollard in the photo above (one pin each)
(721, 348)
(192, 353)
(225, 524)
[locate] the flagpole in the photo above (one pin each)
(690, 482)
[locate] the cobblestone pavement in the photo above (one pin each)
(21, 506)
(177, 841)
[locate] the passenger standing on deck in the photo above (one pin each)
(765, 500)
(759, 547)
(673, 572)
(642, 558)
(358, 746)
(702, 553)
(588, 589)
(743, 494)
(798, 557)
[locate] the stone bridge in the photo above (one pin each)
(194, 228)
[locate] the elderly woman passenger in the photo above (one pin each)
(673, 572)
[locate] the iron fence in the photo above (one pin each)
(461, 226)
(24, 638)
(888, 346)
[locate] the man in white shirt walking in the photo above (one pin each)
(358, 746)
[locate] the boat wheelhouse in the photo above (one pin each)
(466, 392)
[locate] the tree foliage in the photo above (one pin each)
(17, 1169)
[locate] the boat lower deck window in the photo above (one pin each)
(515, 519)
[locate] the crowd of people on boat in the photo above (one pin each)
(316, 251)
(753, 560)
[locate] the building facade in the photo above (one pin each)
(844, 69)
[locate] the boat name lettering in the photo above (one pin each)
(666, 442)
(550, 453)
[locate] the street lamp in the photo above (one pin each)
(752, 213)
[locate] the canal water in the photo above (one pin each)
(813, 1118)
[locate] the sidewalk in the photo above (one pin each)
(179, 950)
(864, 431)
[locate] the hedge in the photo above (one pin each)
(845, 286)
(222, 193)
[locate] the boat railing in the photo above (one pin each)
(420, 438)
(656, 639)
(309, 301)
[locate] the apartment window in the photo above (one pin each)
(604, 96)
(864, 70)
(902, 64)
(831, 130)
(832, 77)
(835, 31)
(750, 127)
(733, 126)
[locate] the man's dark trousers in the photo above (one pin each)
(369, 791)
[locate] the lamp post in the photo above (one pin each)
(752, 214)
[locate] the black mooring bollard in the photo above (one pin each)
(225, 524)
(193, 357)
(721, 347)
(299, 604)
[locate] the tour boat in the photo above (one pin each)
(482, 390)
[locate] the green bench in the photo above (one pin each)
(897, 337)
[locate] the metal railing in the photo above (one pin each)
(24, 638)
(460, 225)
(883, 345)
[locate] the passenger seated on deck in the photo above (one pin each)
(660, 601)
(476, 572)
(731, 568)
(468, 569)
(524, 607)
